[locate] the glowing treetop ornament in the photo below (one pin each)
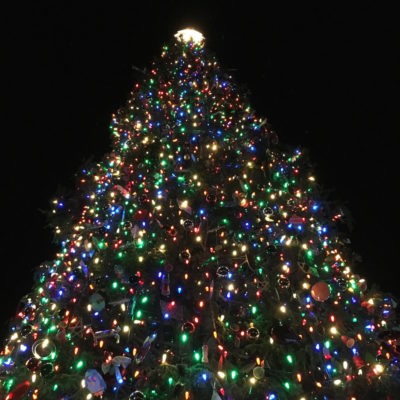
(189, 35)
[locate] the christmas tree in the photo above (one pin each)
(199, 260)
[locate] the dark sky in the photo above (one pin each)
(324, 77)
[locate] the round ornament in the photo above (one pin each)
(185, 255)
(222, 271)
(267, 212)
(46, 369)
(211, 198)
(94, 382)
(283, 282)
(188, 225)
(43, 348)
(253, 333)
(258, 372)
(26, 330)
(320, 291)
(188, 327)
(32, 364)
(136, 395)
(97, 302)
(19, 392)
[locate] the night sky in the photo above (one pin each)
(324, 78)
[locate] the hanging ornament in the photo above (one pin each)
(136, 395)
(188, 327)
(172, 231)
(342, 283)
(358, 361)
(362, 285)
(296, 220)
(222, 271)
(97, 302)
(46, 369)
(348, 341)
(32, 364)
(127, 225)
(142, 353)
(258, 372)
(135, 231)
(283, 282)
(185, 256)
(211, 198)
(94, 382)
(188, 225)
(114, 333)
(253, 333)
(204, 354)
(43, 348)
(320, 291)
(267, 213)
(26, 330)
(19, 392)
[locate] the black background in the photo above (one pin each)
(324, 77)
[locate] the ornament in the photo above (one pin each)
(185, 256)
(26, 330)
(118, 362)
(283, 282)
(114, 333)
(188, 327)
(43, 348)
(253, 333)
(172, 232)
(211, 198)
(296, 220)
(46, 369)
(258, 372)
(204, 354)
(348, 341)
(142, 353)
(188, 225)
(342, 283)
(97, 302)
(19, 392)
(268, 213)
(223, 271)
(358, 361)
(94, 382)
(320, 291)
(127, 225)
(32, 364)
(362, 285)
(136, 395)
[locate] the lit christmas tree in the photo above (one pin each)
(199, 260)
